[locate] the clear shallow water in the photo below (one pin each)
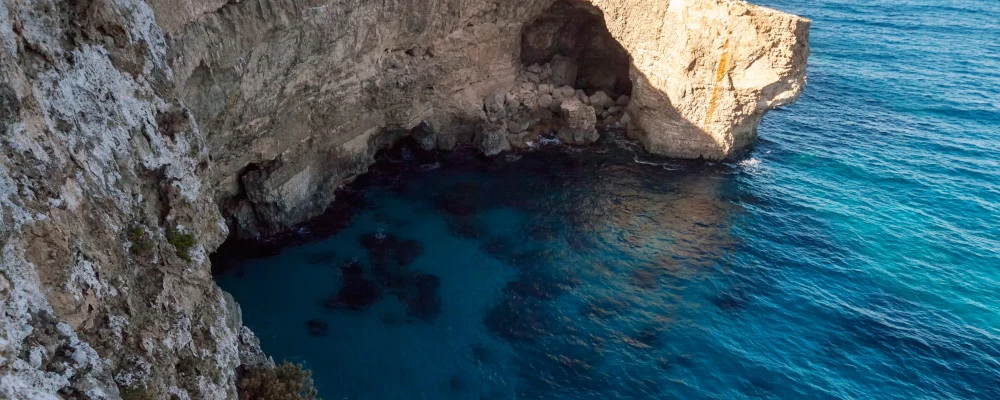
(852, 254)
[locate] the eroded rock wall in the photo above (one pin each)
(99, 164)
(134, 134)
(292, 96)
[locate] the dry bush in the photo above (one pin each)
(286, 381)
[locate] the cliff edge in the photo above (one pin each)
(135, 136)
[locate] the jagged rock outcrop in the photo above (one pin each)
(134, 135)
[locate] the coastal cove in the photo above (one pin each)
(473, 199)
(823, 264)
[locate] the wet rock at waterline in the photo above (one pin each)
(579, 123)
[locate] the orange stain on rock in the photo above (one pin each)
(720, 73)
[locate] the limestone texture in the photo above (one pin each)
(135, 136)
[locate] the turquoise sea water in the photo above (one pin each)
(853, 253)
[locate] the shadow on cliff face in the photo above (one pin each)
(569, 44)
(572, 38)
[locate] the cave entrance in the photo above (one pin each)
(570, 45)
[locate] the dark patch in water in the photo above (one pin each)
(732, 300)
(482, 355)
(604, 308)
(423, 299)
(646, 338)
(542, 232)
(518, 319)
(644, 279)
(407, 251)
(502, 249)
(466, 228)
(461, 199)
(357, 293)
(537, 284)
(390, 256)
(318, 327)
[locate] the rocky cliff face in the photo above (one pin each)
(136, 134)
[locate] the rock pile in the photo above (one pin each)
(545, 103)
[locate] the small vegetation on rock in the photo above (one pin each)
(137, 394)
(286, 381)
(141, 243)
(181, 241)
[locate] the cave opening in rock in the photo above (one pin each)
(570, 45)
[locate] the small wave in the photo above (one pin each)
(430, 167)
(512, 157)
(544, 141)
(644, 162)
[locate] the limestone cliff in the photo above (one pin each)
(136, 134)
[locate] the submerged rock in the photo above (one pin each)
(318, 327)
(461, 199)
(518, 319)
(423, 299)
(406, 251)
(357, 292)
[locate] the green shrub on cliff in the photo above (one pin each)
(181, 241)
(286, 381)
(137, 394)
(141, 242)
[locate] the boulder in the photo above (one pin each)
(625, 121)
(545, 88)
(565, 92)
(522, 140)
(545, 100)
(446, 141)
(492, 139)
(579, 123)
(623, 101)
(601, 100)
(495, 102)
(564, 70)
(511, 101)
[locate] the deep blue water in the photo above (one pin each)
(853, 253)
